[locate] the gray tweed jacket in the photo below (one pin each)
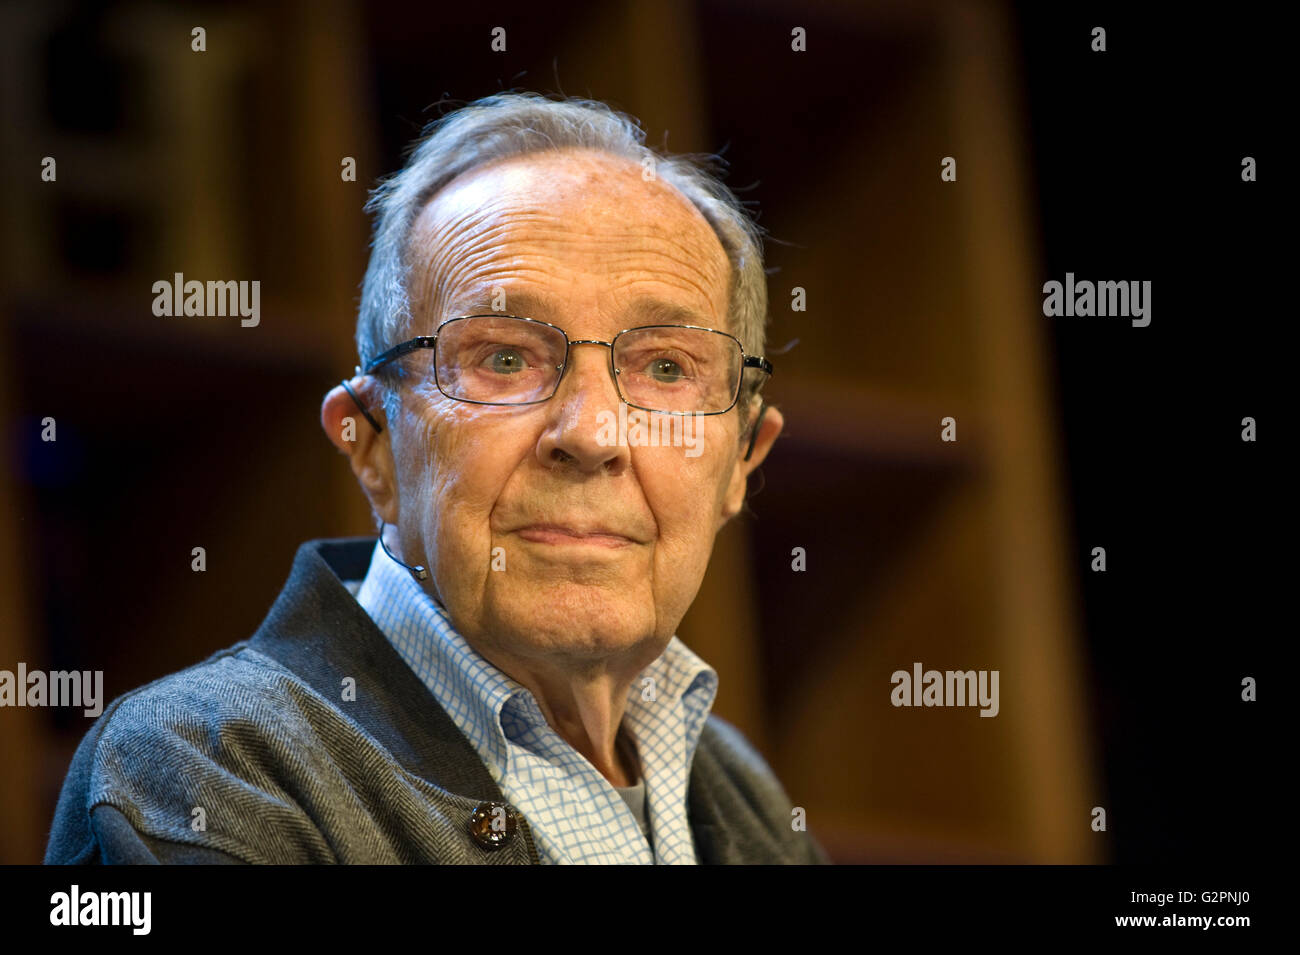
(252, 756)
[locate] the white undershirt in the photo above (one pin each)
(634, 796)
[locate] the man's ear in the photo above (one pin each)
(369, 453)
(768, 429)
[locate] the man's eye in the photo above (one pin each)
(507, 361)
(666, 371)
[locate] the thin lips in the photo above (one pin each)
(577, 531)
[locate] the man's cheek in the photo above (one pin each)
(467, 498)
(691, 493)
(679, 515)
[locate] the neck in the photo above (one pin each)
(586, 707)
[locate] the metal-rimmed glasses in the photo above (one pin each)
(498, 359)
(495, 359)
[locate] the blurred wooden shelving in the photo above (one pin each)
(172, 432)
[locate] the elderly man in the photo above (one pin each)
(557, 408)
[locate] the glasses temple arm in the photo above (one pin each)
(379, 429)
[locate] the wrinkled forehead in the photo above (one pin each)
(535, 225)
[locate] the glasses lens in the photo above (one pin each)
(498, 360)
(671, 368)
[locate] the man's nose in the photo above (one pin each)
(583, 426)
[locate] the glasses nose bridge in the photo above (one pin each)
(610, 367)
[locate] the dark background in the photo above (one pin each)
(1130, 162)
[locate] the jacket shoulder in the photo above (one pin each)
(750, 776)
(744, 765)
(167, 754)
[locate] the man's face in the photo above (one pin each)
(583, 241)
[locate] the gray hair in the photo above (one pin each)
(517, 124)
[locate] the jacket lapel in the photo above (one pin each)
(318, 630)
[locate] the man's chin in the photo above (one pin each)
(561, 629)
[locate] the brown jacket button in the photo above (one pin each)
(493, 824)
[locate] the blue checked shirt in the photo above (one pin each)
(576, 814)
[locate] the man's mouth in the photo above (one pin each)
(558, 534)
